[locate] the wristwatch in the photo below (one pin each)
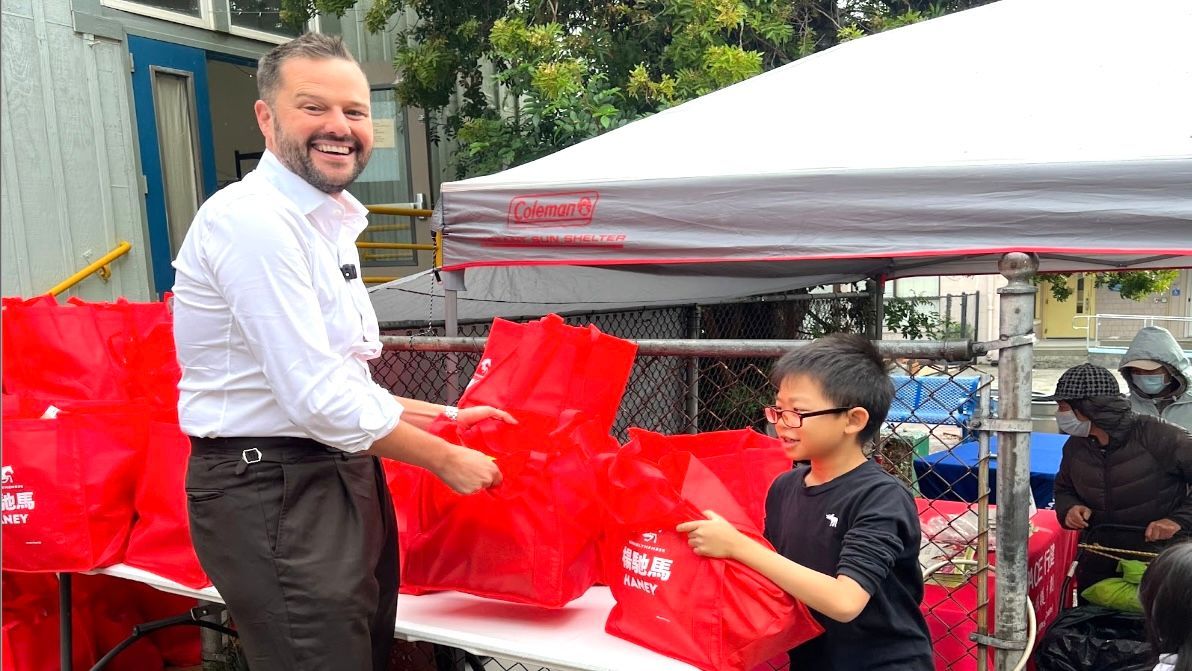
(451, 412)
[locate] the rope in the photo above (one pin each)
(1105, 551)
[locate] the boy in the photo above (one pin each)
(846, 532)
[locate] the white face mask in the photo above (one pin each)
(1150, 383)
(1068, 423)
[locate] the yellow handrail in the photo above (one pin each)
(395, 245)
(398, 211)
(99, 265)
(387, 228)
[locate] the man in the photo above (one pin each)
(289, 511)
(1159, 376)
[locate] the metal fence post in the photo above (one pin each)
(984, 404)
(877, 293)
(977, 316)
(1014, 487)
(964, 332)
(693, 332)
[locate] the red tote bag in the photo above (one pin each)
(140, 336)
(56, 351)
(403, 481)
(160, 540)
(746, 461)
(111, 607)
(90, 351)
(532, 539)
(545, 367)
(714, 614)
(31, 621)
(68, 486)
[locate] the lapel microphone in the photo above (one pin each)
(349, 271)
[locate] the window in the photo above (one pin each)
(189, 12)
(254, 19)
(386, 180)
(260, 19)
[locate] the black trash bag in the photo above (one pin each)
(1093, 638)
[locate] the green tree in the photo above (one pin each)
(1133, 284)
(569, 70)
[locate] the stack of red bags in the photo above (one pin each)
(94, 462)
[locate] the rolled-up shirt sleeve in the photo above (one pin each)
(265, 273)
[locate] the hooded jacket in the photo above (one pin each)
(1157, 344)
(1142, 475)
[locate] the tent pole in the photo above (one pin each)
(450, 313)
(694, 330)
(1015, 362)
(453, 283)
(451, 330)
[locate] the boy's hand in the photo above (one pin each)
(712, 537)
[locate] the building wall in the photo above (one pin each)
(375, 52)
(1171, 303)
(70, 188)
(982, 302)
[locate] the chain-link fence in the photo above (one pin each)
(927, 440)
(947, 317)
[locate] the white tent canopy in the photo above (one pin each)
(1061, 127)
(533, 291)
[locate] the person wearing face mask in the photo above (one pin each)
(1158, 375)
(1119, 469)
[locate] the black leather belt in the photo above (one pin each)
(278, 449)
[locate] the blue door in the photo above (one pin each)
(173, 109)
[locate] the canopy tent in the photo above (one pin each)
(533, 291)
(1061, 127)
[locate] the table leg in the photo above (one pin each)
(65, 622)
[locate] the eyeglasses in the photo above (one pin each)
(793, 419)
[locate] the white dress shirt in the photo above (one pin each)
(273, 341)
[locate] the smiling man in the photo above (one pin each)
(289, 511)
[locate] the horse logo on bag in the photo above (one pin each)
(482, 370)
(6, 479)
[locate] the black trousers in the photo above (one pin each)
(302, 546)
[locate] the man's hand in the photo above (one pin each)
(1161, 530)
(468, 417)
(713, 537)
(467, 471)
(1078, 517)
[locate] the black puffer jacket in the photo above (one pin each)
(1142, 475)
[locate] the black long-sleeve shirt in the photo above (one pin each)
(863, 524)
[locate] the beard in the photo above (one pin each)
(295, 155)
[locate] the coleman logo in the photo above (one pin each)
(574, 208)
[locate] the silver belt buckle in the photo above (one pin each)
(251, 456)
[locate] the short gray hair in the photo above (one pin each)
(316, 46)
